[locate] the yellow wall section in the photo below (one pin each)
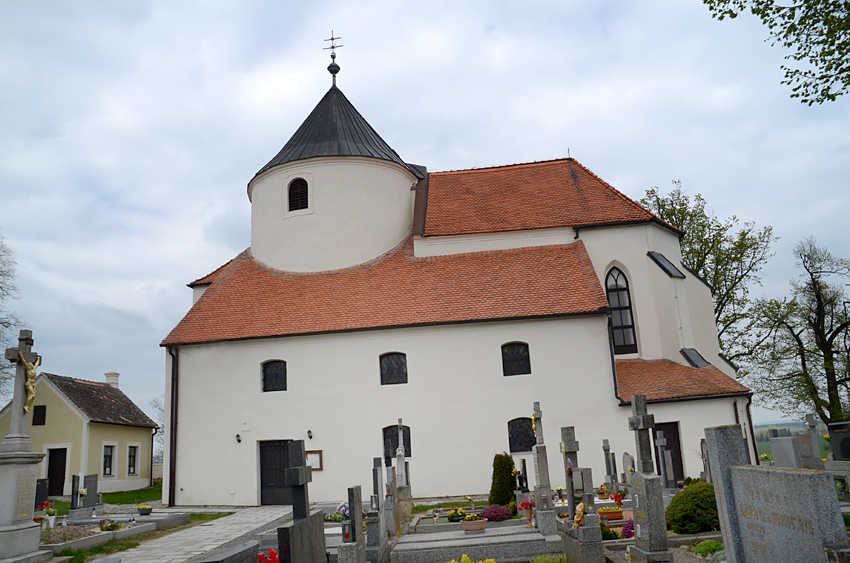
(124, 436)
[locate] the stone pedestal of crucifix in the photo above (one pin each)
(651, 544)
(19, 535)
(547, 521)
(569, 450)
(302, 539)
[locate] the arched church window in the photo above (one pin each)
(393, 368)
(521, 435)
(622, 319)
(391, 441)
(298, 194)
(274, 376)
(515, 359)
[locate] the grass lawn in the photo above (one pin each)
(454, 504)
(135, 497)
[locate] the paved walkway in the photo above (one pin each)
(191, 544)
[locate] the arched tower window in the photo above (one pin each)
(622, 319)
(521, 435)
(515, 359)
(274, 376)
(393, 368)
(298, 194)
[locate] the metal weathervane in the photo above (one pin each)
(333, 68)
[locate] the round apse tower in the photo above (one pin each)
(336, 195)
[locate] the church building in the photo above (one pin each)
(374, 290)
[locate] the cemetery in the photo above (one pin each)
(788, 510)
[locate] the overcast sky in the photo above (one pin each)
(130, 129)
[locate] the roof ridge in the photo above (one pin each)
(73, 378)
(514, 165)
(200, 281)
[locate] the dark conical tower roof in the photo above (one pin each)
(335, 128)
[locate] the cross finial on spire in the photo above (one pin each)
(333, 68)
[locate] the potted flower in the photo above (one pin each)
(50, 513)
(613, 512)
(473, 524)
(602, 492)
(527, 505)
(559, 491)
(457, 515)
(144, 509)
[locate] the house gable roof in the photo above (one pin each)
(100, 402)
(664, 380)
(335, 128)
(250, 300)
(537, 195)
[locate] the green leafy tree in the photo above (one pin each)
(504, 480)
(725, 254)
(9, 322)
(819, 33)
(804, 363)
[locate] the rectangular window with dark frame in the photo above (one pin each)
(393, 368)
(39, 415)
(107, 460)
(274, 376)
(515, 359)
(131, 459)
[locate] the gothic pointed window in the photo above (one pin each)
(297, 194)
(393, 368)
(515, 359)
(622, 319)
(274, 376)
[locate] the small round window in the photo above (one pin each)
(298, 194)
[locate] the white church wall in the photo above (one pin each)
(197, 291)
(348, 198)
(457, 404)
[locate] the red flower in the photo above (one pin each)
(618, 499)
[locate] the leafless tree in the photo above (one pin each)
(9, 322)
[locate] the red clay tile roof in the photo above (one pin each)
(209, 278)
(250, 300)
(664, 379)
(537, 195)
(101, 402)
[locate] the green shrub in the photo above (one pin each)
(707, 547)
(608, 533)
(504, 480)
(846, 520)
(693, 510)
(512, 507)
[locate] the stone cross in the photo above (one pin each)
(628, 461)
(660, 444)
(17, 440)
(297, 475)
(543, 487)
(399, 456)
(606, 448)
(537, 423)
(377, 486)
(355, 515)
(810, 445)
(610, 468)
(569, 450)
(642, 423)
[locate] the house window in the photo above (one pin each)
(274, 376)
(393, 368)
(298, 194)
(107, 460)
(39, 415)
(132, 451)
(622, 320)
(515, 359)
(521, 435)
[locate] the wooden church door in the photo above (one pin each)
(274, 459)
(56, 471)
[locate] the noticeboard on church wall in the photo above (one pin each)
(314, 459)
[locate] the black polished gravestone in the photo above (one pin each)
(302, 539)
(839, 440)
(90, 485)
(41, 488)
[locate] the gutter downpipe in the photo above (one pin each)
(172, 442)
(150, 483)
(750, 422)
(613, 362)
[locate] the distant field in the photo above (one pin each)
(764, 448)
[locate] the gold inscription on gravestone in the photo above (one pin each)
(778, 519)
(25, 495)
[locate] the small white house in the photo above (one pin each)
(374, 290)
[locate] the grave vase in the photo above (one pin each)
(528, 516)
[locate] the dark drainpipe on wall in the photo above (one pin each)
(172, 441)
(750, 422)
(150, 484)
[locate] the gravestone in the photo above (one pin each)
(19, 535)
(403, 493)
(773, 513)
(547, 520)
(671, 472)
(391, 506)
(809, 442)
(88, 504)
(75, 491)
(786, 452)
(376, 521)
(569, 451)
(587, 494)
(839, 440)
(628, 467)
(651, 544)
(353, 548)
(523, 485)
(661, 445)
(705, 475)
(302, 539)
(402, 481)
(41, 488)
(610, 468)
